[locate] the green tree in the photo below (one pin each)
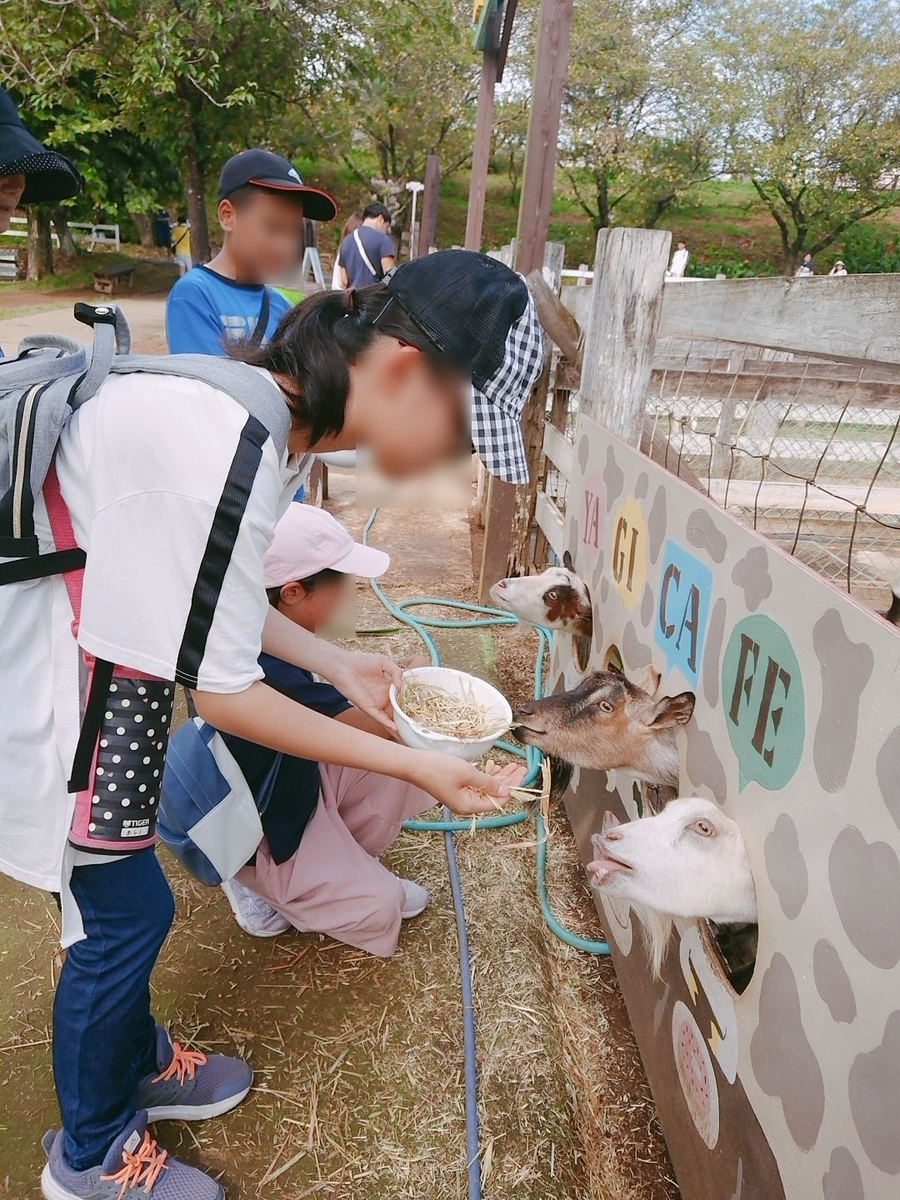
(638, 129)
(813, 87)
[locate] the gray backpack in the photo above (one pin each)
(39, 390)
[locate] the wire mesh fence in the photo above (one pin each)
(805, 450)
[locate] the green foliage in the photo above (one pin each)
(871, 249)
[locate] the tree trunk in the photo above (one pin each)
(195, 190)
(143, 223)
(601, 221)
(40, 249)
(67, 246)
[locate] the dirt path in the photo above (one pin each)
(146, 317)
(358, 1060)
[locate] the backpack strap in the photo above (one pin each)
(262, 321)
(362, 253)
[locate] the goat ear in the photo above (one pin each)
(649, 680)
(567, 561)
(673, 710)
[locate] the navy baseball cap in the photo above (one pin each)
(482, 316)
(277, 174)
(49, 176)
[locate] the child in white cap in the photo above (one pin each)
(325, 826)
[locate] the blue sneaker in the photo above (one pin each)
(191, 1085)
(134, 1168)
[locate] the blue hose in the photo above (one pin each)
(449, 825)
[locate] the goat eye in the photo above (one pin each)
(605, 706)
(553, 594)
(704, 828)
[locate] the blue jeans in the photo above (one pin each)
(104, 1036)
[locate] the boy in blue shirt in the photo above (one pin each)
(262, 204)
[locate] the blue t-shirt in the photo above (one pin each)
(295, 794)
(377, 246)
(205, 311)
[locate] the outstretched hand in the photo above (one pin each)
(365, 679)
(463, 788)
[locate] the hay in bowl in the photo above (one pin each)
(438, 708)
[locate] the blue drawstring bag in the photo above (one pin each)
(208, 816)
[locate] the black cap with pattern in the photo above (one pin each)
(49, 176)
(480, 314)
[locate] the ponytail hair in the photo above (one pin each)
(318, 341)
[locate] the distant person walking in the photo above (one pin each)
(368, 253)
(680, 259)
(181, 246)
(838, 268)
(807, 267)
(353, 222)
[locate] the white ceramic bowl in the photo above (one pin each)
(460, 684)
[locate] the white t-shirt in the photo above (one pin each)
(141, 467)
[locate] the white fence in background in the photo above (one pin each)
(94, 235)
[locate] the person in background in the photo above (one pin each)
(325, 827)
(353, 222)
(262, 203)
(680, 259)
(181, 245)
(838, 268)
(368, 253)
(807, 267)
(29, 173)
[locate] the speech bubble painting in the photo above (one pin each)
(629, 541)
(762, 690)
(684, 601)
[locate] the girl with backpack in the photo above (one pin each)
(417, 368)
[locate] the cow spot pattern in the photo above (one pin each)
(786, 866)
(584, 452)
(703, 533)
(634, 653)
(703, 765)
(751, 575)
(887, 772)
(846, 668)
(642, 487)
(648, 606)
(613, 477)
(873, 1099)
(865, 885)
(782, 1058)
(842, 1180)
(712, 653)
(657, 520)
(604, 590)
(833, 983)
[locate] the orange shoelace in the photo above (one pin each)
(184, 1063)
(142, 1166)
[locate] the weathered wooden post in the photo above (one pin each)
(481, 153)
(626, 304)
(428, 226)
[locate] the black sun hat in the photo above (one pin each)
(49, 176)
(482, 316)
(276, 174)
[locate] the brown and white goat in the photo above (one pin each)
(557, 599)
(609, 723)
(687, 861)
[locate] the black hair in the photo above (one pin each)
(241, 196)
(376, 209)
(318, 341)
(326, 575)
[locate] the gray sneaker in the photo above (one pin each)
(191, 1085)
(134, 1167)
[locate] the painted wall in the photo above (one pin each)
(793, 1088)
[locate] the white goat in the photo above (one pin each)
(557, 599)
(687, 861)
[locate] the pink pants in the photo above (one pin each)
(335, 884)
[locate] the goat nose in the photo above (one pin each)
(525, 710)
(612, 835)
(500, 584)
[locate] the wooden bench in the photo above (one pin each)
(107, 279)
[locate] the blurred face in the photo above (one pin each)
(264, 233)
(405, 413)
(11, 189)
(320, 607)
